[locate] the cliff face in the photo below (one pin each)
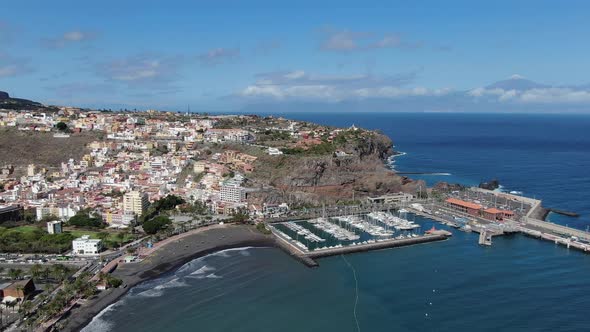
(332, 178)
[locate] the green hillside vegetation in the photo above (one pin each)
(32, 239)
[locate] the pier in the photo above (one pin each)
(530, 223)
(384, 244)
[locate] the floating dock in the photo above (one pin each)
(308, 257)
(390, 243)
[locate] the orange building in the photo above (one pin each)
(497, 214)
(465, 207)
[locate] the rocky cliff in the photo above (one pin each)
(331, 178)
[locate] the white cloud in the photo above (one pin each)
(304, 86)
(218, 55)
(344, 40)
(295, 74)
(388, 41)
(556, 95)
(550, 95)
(69, 38)
(142, 69)
(11, 66)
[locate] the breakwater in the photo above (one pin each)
(385, 244)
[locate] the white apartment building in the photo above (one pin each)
(232, 193)
(136, 202)
(86, 246)
(62, 212)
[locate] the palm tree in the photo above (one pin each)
(36, 271)
(60, 272)
(15, 273)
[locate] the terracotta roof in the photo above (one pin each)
(468, 205)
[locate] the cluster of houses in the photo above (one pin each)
(139, 160)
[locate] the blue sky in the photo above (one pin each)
(232, 55)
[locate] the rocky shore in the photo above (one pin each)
(168, 258)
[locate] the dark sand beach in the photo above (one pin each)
(170, 256)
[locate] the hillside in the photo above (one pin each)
(325, 177)
(22, 148)
(7, 102)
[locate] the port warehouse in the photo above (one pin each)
(478, 210)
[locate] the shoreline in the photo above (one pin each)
(170, 257)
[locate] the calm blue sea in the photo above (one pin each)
(518, 284)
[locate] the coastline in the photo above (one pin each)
(167, 258)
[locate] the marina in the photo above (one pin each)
(321, 237)
(384, 226)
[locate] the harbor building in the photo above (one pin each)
(465, 207)
(84, 245)
(497, 214)
(136, 202)
(54, 227)
(391, 198)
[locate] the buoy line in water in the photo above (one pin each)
(356, 289)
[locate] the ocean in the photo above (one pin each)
(518, 284)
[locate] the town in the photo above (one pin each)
(145, 180)
(140, 178)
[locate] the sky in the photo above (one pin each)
(426, 56)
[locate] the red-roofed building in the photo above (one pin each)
(497, 214)
(463, 206)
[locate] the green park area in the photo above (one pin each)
(33, 239)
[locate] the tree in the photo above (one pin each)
(61, 126)
(103, 236)
(83, 219)
(114, 282)
(25, 308)
(121, 237)
(240, 216)
(59, 272)
(15, 273)
(36, 271)
(154, 225)
(45, 273)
